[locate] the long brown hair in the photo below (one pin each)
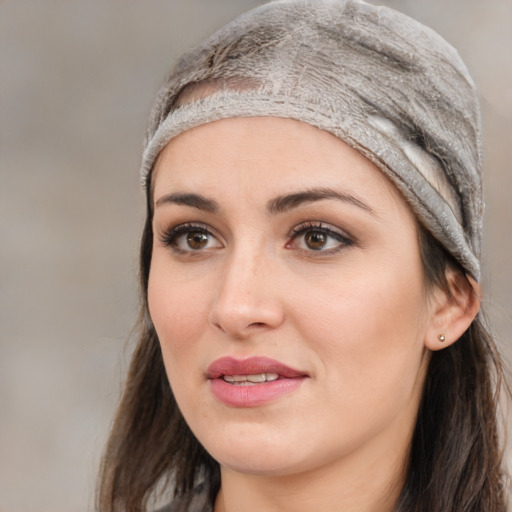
(456, 454)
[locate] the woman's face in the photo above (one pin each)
(288, 295)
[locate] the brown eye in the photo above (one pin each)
(315, 240)
(197, 240)
(318, 237)
(190, 238)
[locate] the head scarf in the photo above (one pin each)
(380, 81)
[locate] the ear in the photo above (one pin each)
(452, 313)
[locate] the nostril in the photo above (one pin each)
(218, 326)
(257, 324)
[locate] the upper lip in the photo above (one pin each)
(250, 366)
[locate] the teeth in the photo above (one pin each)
(247, 380)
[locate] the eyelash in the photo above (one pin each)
(318, 227)
(170, 238)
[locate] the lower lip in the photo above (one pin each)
(253, 395)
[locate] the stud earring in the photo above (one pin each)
(441, 338)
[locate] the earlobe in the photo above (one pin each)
(453, 311)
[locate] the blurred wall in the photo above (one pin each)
(77, 79)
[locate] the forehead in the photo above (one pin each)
(264, 150)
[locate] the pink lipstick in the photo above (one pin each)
(251, 382)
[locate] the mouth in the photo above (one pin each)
(252, 382)
(253, 370)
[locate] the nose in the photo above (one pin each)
(248, 299)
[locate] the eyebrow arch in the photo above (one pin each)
(287, 202)
(193, 200)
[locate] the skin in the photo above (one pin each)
(354, 315)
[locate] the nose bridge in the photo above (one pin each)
(247, 295)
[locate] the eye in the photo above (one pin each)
(320, 238)
(190, 238)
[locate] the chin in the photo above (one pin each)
(261, 467)
(261, 458)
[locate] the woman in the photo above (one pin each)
(310, 331)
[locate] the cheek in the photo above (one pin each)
(369, 328)
(179, 313)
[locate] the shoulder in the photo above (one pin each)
(197, 500)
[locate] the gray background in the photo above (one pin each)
(77, 79)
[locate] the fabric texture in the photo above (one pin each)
(385, 84)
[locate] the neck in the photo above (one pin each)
(347, 486)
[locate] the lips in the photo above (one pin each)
(251, 366)
(252, 382)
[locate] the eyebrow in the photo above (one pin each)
(280, 204)
(193, 200)
(287, 202)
